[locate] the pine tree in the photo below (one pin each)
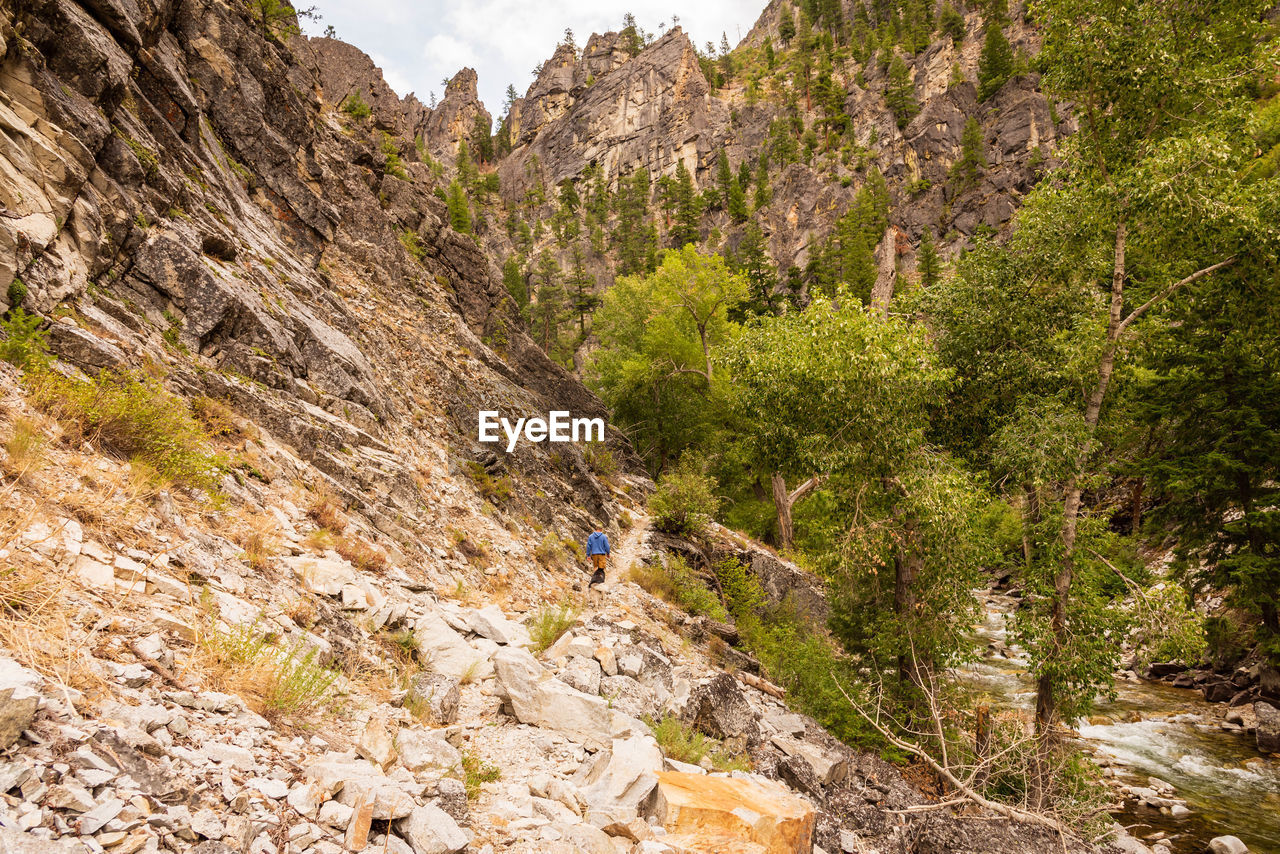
(513, 280)
(752, 261)
(928, 264)
(995, 64)
(551, 305)
(724, 177)
(786, 26)
(688, 209)
(900, 95)
(952, 24)
(459, 209)
(964, 172)
(630, 35)
(763, 194)
(582, 300)
(637, 239)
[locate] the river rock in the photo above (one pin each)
(1268, 726)
(1227, 845)
(713, 813)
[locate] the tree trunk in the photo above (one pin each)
(906, 569)
(1030, 518)
(783, 501)
(1046, 698)
(886, 255)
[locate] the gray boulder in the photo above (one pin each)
(1268, 727)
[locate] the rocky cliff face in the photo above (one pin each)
(645, 113)
(658, 109)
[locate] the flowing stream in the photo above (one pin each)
(1155, 730)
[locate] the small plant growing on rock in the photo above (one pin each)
(354, 105)
(685, 744)
(477, 772)
(326, 512)
(495, 489)
(550, 623)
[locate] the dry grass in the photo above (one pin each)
(361, 553)
(281, 684)
(24, 449)
(260, 541)
(326, 511)
(319, 540)
(302, 612)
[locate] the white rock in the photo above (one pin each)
(430, 830)
(323, 576)
(582, 673)
(207, 824)
(273, 789)
(447, 652)
(827, 765)
(617, 782)
(229, 754)
(422, 750)
(539, 699)
(489, 622)
(335, 814)
(19, 699)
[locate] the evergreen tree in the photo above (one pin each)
(752, 261)
(952, 24)
(737, 206)
(481, 139)
(688, 210)
(724, 177)
(635, 235)
(763, 193)
(551, 304)
(995, 64)
(900, 94)
(786, 26)
(928, 264)
(964, 172)
(630, 35)
(582, 299)
(459, 208)
(513, 280)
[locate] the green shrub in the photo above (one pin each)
(600, 459)
(297, 685)
(684, 502)
(684, 744)
(741, 589)
(550, 623)
(495, 489)
(17, 293)
(675, 582)
(392, 165)
(24, 343)
(133, 415)
(353, 105)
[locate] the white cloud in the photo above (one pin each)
(418, 44)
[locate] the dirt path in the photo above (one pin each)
(633, 549)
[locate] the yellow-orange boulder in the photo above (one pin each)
(732, 815)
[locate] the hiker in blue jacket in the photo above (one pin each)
(598, 553)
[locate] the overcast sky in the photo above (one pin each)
(417, 44)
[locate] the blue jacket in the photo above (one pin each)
(598, 543)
